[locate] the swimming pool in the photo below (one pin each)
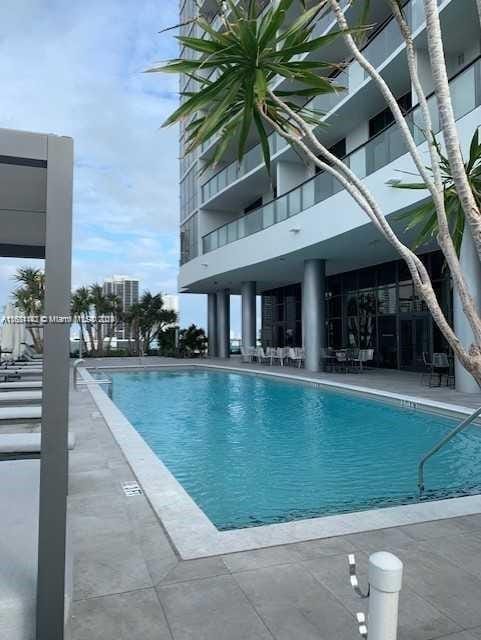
(250, 450)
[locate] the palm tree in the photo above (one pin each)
(133, 318)
(116, 314)
(29, 297)
(147, 319)
(192, 341)
(101, 307)
(424, 217)
(80, 308)
(246, 57)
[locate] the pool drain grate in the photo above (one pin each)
(131, 489)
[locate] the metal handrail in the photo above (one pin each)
(107, 381)
(76, 383)
(76, 365)
(465, 423)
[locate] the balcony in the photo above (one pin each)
(377, 50)
(378, 152)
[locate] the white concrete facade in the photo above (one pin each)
(244, 234)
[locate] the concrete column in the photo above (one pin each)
(471, 268)
(212, 323)
(223, 323)
(248, 292)
(313, 308)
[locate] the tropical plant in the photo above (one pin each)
(424, 218)
(29, 297)
(147, 320)
(192, 341)
(80, 308)
(248, 55)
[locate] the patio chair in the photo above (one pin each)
(328, 359)
(441, 366)
(434, 368)
(363, 356)
(261, 356)
(342, 362)
(245, 355)
(296, 354)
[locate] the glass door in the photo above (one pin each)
(414, 340)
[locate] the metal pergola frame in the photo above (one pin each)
(36, 175)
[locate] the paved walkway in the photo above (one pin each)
(129, 582)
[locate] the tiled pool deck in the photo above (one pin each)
(129, 582)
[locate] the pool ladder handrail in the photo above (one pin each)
(462, 425)
(108, 380)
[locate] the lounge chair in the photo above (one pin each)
(20, 385)
(24, 445)
(20, 415)
(20, 372)
(20, 397)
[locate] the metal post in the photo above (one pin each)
(223, 323)
(313, 307)
(54, 452)
(212, 324)
(248, 292)
(385, 580)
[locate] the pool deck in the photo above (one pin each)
(129, 581)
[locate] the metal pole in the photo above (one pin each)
(385, 580)
(50, 618)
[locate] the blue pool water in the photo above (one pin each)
(251, 450)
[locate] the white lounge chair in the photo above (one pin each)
(20, 415)
(20, 385)
(21, 372)
(20, 398)
(25, 444)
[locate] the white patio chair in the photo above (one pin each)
(261, 355)
(296, 355)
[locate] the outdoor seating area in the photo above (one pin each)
(284, 356)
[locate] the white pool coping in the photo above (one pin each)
(195, 536)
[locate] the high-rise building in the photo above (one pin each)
(296, 238)
(127, 290)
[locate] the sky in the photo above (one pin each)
(76, 69)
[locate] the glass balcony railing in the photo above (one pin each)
(378, 152)
(382, 45)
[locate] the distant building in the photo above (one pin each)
(127, 290)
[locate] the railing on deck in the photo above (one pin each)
(385, 147)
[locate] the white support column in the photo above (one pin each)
(249, 334)
(313, 311)
(212, 323)
(471, 268)
(223, 323)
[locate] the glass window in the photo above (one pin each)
(386, 300)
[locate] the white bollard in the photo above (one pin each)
(385, 580)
